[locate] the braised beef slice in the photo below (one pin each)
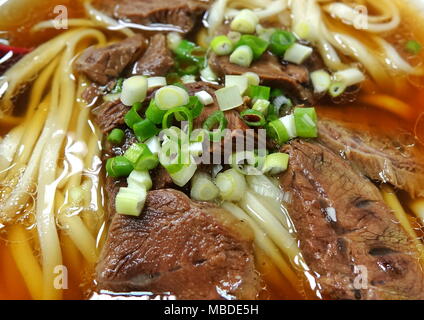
(346, 232)
(193, 250)
(181, 14)
(293, 78)
(109, 115)
(103, 64)
(157, 60)
(379, 155)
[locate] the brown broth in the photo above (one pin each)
(276, 286)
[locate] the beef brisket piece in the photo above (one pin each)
(193, 250)
(103, 64)
(157, 60)
(379, 155)
(181, 14)
(109, 115)
(344, 226)
(293, 78)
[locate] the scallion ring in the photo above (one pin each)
(211, 123)
(183, 113)
(253, 118)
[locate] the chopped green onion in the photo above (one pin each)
(245, 22)
(262, 106)
(134, 90)
(184, 49)
(199, 135)
(258, 92)
(240, 82)
(413, 47)
(153, 113)
(118, 86)
(119, 167)
(207, 74)
(116, 136)
(278, 132)
(216, 119)
(195, 106)
(132, 117)
(183, 176)
(257, 45)
(306, 122)
(154, 145)
(265, 33)
(203, 188)
(246, 163)
(130, 201)
(290, 125)
(141, 157)
(140, 179)
(173, 40)
(204, 97)
(183, 112)
(155, 82)
(145, 129)
(282, 103)
(349, 77)
(276, 163)
(281, 41)
(136, 151)
(253, 118)
(222, 45)
(252, 78)
(229, 98)
(298, 53)
(170, 156)
(321, 81)
(242, 56)
(170, 97)
(336, 89)
(188, 78)
(231, 184)
(234, 36)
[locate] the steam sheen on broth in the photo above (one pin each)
(16, 240)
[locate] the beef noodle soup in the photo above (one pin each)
(203, 149)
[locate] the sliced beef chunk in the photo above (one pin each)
(293, 78)
(157, 60)
(348, 236)
(109, 115)
(103, 64)
(193, 250)
(181, 14)
(381, 156)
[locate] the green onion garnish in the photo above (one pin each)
(119, 167)
(182, 113)
(253, 118)
(276, 163)
(262, 106)
(210, 125)
(116, 136)
(141, 157)
(145, 129)
(153, 113)
(257, 45)
(413, 46)
(132, 117)
(259, 92)
(278, 132)
(242, 56)
(222, 45)
(195, 106)
(306, 122)
(280, 41)
(118, 86)
(170, 97)
(130, 201)
(336, 89)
